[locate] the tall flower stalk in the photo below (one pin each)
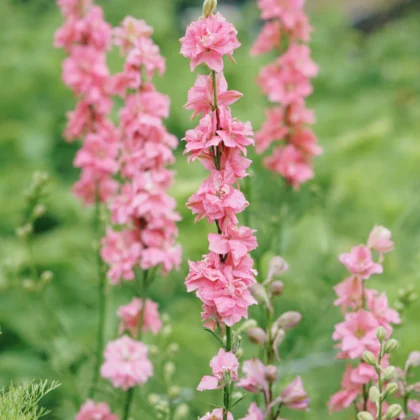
(223, 278)
(286, 83)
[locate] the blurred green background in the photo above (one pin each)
(367, 99)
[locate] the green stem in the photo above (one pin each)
(127, 404)
(100, 338)
(228, 388)
(380, 383)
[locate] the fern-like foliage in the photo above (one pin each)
(21, 402)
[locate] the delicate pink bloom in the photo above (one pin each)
(357, 334)
(201, 95)
(290, 163)
(131, 315)
(216, 198)
(237, 241)
(121, 251)
(380, 240)
(349, 293)
(169, 256)
(306, 141)
(92, 185)
(285, 10)
(371, 407)
(126, 363)
(298, 114)
(208, 40)
(130, 31)
(216, 414)
(359, 262)
(74, 7)
(85, 72)
(274, 128)
(378, 305)
(269, 38)
(294, 395)
(224, 365)
(254, 413)
(92, 411)
(254, 380)
(233, 132)
(414, 408)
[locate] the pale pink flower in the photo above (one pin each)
(380, 240)
(269, 38)
(306, 141)
(297, 114)
(95, 411)
(216, 414)
(414, 408)
(357, 334)
(237, 241)
(254, 413)
(285, 10)
(371, 407)
(201, 95)
(121, 251)
(74, 7)
(93, 185)
(378, 305)
(349, 293)
(290, 163)
(126, 364)
(130, 31)
(273, 128)
(225, 370)
(216, 198)
(234, 133)
(131, 314)
(294, 395)
(254, 380)
(207, 40)
(359, 262)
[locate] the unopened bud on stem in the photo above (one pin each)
(381, 334)
(271, 373)
(288, 320)
(209, 7)
(388, 373)
(391, 388)
(369, 358)
(391, 346)
(276, 288)
(374, 394)
(393, 411)
(364, 415)
(257, 336)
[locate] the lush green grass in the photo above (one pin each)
(368, 106)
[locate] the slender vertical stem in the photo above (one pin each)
(100, 338)
(227, 389)
(380, 382)
(127, 404)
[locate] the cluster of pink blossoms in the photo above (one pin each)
(222, 280)
(364, 311)
(287, 83)
(86, 38)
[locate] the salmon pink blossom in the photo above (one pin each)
(126, 363)
(92, 411)
(254, 380)
(254, 413)
(294, 395)
(380, 240)
(359, 262)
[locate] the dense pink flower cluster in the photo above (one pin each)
(92, 411)
(287, 83)
(86, 38)
(364, 311)
(142, 205)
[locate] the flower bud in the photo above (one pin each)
(257, 336)
(413, 360)
(174, 392)
(153, 399)
(29, 285)
(260, 294)
(393, 411)
(277, 267)
(39, 210)
(412, 297)
(166, 330)
(288, 320)
(247, 325)
(173, 349)
(388, 373)
(237, 396)
(399, 306)
(209, 7)
(153, 350)
(24, 231)
(46, 276)
(181, 412)
(380, 240)
(374, 394)
(168, 371)
(381, 334)
(276, 288)
(239, 353)
(391, 388)
(369, 358)
(391, 346)
(271, 374)
(364, 415)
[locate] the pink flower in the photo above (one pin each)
(85, 72)
(254, 380)
(274, 128)
(380, 240)
(414, 408)
(207, 40)
(121, 251)
(306, 141)
(350, 293)
(126, 363)
(130, 317)
(201, 95)
(92, 411)
(254, 413)
(357, 334)
(130, 31)
(92, 184)
(216, 198)
(298, 114)
(359, 262)
(216, 414)
(378, 305)
(233, 132)
(225, 370)
(294, 395)
(269, 38)
(74, 7)
(285, 10)
(237, 240)
(290, 163)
